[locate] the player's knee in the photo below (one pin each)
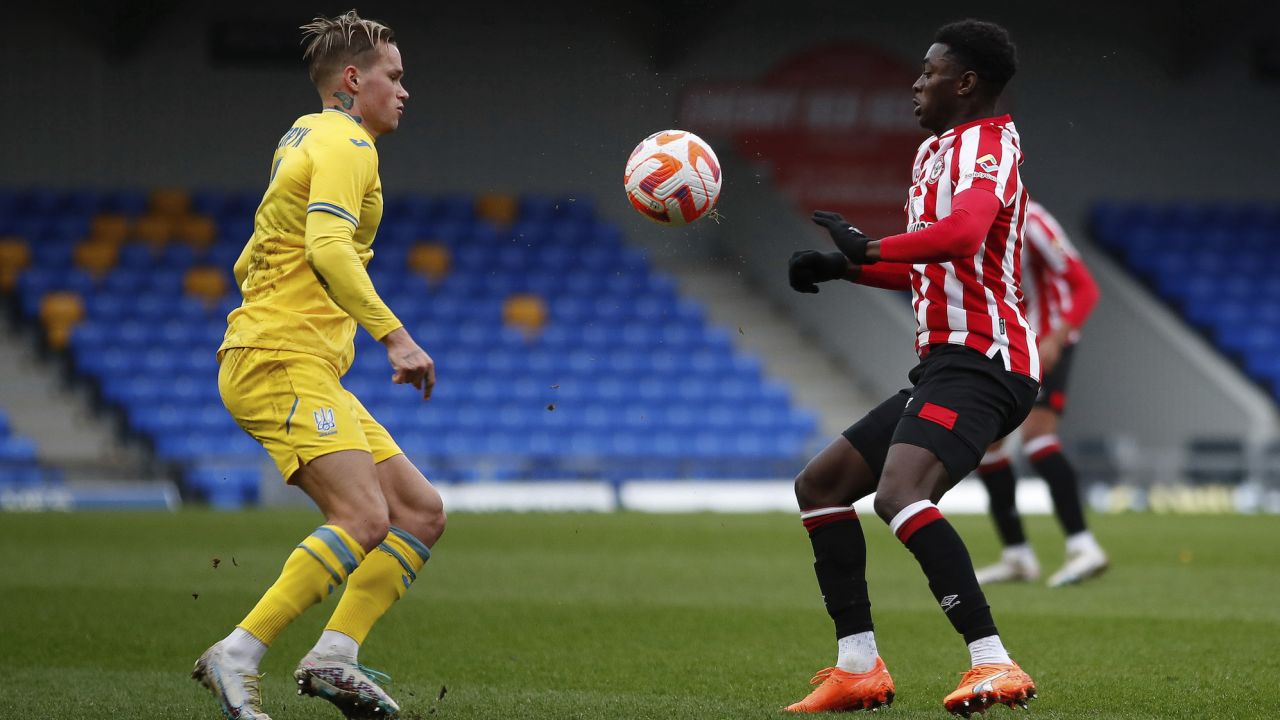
(370, 529)
(813, 488)
(424, 517)
(896, 491)
(434, 520)
(887, 505)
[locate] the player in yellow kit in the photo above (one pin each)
(305, 288)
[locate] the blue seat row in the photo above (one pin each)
(1233, 218)
(44, 215)
(225, 486)
(627, 378)
(1214, 263)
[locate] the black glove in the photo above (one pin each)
(850, 240)
(809, 267)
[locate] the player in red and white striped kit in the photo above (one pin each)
(978, 375)
(1060, 294)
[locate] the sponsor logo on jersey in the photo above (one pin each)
(359, 143)
(988, 162)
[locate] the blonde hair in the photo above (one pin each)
(334, 43)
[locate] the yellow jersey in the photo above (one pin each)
(302, 274)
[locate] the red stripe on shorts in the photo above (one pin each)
(936, 413)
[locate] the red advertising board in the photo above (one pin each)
(833, 126)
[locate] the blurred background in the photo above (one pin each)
(589, 359)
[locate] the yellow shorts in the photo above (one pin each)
(294, 405)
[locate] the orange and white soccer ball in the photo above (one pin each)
(673, 178)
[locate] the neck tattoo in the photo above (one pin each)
(347, 102)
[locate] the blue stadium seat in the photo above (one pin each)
(136, 257)
(17, 449)
(225, 487)
(129, 203)
(52, 253)
(177, 257)
(124, 281)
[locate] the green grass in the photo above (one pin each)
(633, 616)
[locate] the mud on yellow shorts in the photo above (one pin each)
(294, 405)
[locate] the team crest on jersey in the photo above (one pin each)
(988, 163)
(935, 171)
(325, 422)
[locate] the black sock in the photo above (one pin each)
(1061, 477)
(1001, 487)
(840, 561)
(945, 561)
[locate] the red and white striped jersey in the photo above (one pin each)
(1051, 275)
(975, 302)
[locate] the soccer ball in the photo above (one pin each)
(672, 178)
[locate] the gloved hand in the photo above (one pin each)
(809, 267)
(850, 240)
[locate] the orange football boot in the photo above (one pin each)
(987, 685)
(840, 690)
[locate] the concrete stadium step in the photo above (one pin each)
(59, 419)
(819, 383)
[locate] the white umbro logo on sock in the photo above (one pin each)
(949, 602)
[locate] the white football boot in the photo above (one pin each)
(1016, 564)
(237, 691)
(352, 687)
(1081, 565)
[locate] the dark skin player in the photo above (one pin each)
(944, 96)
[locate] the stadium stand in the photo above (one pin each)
(1215, 264)
(560, 352)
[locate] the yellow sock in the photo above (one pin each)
(381, 579)
(319, 564)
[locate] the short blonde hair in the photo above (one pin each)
(334, 43)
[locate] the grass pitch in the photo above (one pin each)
(633, 616)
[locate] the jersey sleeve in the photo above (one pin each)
(341, 177)
(885, 275)
(955, 236)
(989, 161)
(1084, 292)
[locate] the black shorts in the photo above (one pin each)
(961, 402)
(1053, 389)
